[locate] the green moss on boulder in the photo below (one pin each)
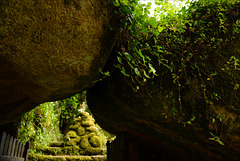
(74, 127)
(81, 131)
(71, 138)
(87, 123)
(57, 144)
(50, 150)
(71, 150)
(51, 50)
(79, 140)
(92, 129)
(95, 141)
(40, 157)
(83, 136)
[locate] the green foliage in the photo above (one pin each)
(192, 51)
(216, 138)
(70, 106)
(70, 109)
(180, 41)
(40, 125)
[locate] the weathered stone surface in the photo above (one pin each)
(50, 50)
(197, 118)
(149, 116)
(180, 124)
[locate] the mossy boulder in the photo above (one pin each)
(51, 50)
(56, 144)
(87, 123)
(95, 142)
(80, 131)
(40, 157)
(92, 129)
(71, 138)
(83, 138)
(192, 115)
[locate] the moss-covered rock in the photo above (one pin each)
(95, 141)
(71, 150)
(83, 137)
(87, 123)
(51, 50)
(79, 140)
(82, 158)
(50, 150)
(56, 144)
(40, 157)
(71, 138)
(80, 131)
(195, 99)
(92, 129)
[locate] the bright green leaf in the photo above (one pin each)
(153, 22)
(160, 29)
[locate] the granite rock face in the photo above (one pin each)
(51, 50)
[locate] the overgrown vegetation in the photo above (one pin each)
(186, 48)
(40, 125)
(179, 41)
(48, 122)
(189, 45)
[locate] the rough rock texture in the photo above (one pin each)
(181, 123)
(83, 136)
(150, 117)
(50, 50)
(40, 157)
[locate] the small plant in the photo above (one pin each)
(216, 138)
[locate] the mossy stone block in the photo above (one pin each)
(81, 131)
(84, 143)
(87, 123)
(50, 150)
(75, 126)
(95, 142)
(71, 138)
(92, 129)
(79, 158)
(71, 134)
(72, 150)
(56, 144)
(40, 157)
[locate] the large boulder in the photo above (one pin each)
(51, 50)
(196, 132)
(192, 116)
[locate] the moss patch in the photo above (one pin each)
(40, 157)
(87, 123)
(92, 129)
(81, 131)
(95, 141)
(79, 140)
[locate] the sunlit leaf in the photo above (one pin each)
(153, 22)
